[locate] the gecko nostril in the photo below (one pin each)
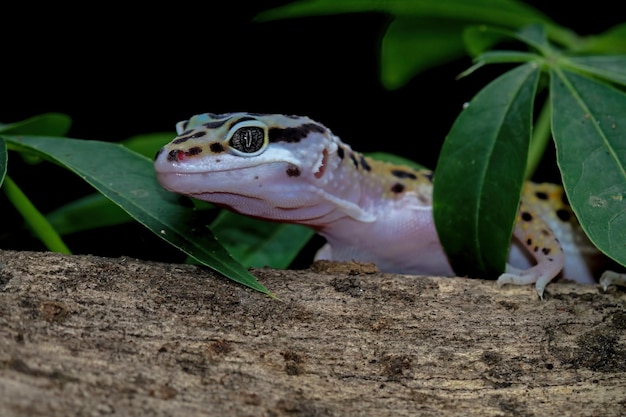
(174, 155)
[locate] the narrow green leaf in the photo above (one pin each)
(480, 173)
(3, 160)
(500, 57)
(48, 124)
(589, 129)
(258, 243)
(613, 41)
(132, 184)
(33, 217)
(86, 213)
(610, 67)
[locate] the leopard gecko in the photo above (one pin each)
(295, 170)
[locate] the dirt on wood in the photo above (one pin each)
(90, 336)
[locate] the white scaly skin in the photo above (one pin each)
(292, 169)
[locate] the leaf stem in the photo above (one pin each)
(33, 217)
(539, 140)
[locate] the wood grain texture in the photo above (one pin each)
(83, 335)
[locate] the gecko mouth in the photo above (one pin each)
(246, 180)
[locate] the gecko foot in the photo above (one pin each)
(525, 277)
(609, 278)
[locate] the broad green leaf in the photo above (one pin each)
(48, 124)
(506, 13)
(480, 173)
(589, 129)
(3, 160)
(148, 144)
(412, 45)
(86, 213)
(258, 243)
(610, 67)
(133, 186)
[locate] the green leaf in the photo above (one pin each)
(86, 213)
(504, 12)
(589, 129)
(412, 45)
(480, 173)
(48, 124)
(33, 217)
(480, 38)
(535, 36)
(609, 67)
(500, 57)
(128, 179)
(3, 160)
(426, 33)
(258, 243)
(613, 41)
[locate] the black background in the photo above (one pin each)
(119, 71)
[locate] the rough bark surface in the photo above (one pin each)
(90, 336)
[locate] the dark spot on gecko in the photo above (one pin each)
(186, 132)
(185, 124)
(397, 188)
(536, 248)
(340, 153)
(551, 259)
(193, 151)
(529, 242)
(215, 124)
(354, 160)
(545, 250)
(159, 152)
(293, 171)
(545, 232)
(403, 174)
(293, 134)
(428, 175)
(364, 164)
(541, 195)
(563, 214)
(526, 216)
(216, 147)
(182, 138)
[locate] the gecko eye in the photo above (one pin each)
(248, 138)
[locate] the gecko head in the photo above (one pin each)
(234, 158)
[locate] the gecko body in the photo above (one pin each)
(295, 170)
